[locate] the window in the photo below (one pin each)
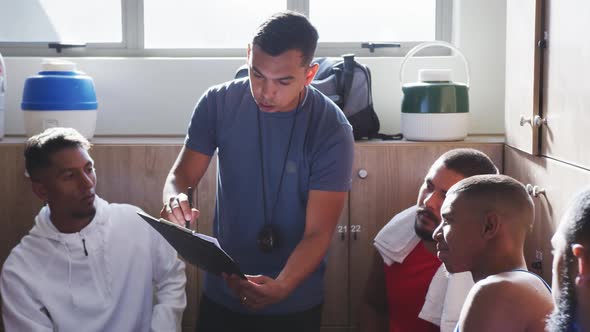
(199, 24)
(374, 20)
(213, 28)
(34, 21)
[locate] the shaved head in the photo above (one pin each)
(500, 194)
(467, 162)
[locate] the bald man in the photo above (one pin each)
(571, 268)
(485, 219)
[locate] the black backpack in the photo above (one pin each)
(348, 84)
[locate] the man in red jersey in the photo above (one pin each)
(405, 259)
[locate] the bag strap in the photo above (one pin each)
(386, 137)
(348, 75)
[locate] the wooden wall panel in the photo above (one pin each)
(560, 182)
(133, 174)
(18, 204)
(336, 310)
(565, 95)
(206, 192)
(523, 68)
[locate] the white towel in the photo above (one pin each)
(398, 238)
(446, 292)
(435, 297)
(445, 298)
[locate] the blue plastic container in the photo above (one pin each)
(59, 96)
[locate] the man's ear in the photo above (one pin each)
(311, 71)
(40, 190)
(490, 226)
(248, 53)
(582, 257)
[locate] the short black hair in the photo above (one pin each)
(497, 191)
(40, 148)
(286, 31)
(468, 162)
(578, 230)
(497, 184)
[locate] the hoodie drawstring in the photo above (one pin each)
(84, 245)
(69, 263)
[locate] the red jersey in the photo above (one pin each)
(407, 284)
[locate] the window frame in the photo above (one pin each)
(132, 44)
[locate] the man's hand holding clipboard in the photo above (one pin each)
(198, 249)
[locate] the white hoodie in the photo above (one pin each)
(104, 278)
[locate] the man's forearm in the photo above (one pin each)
(173, 186)
(187, 171)
(323, 211)
(304, 260)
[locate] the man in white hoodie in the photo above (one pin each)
(405, 261)
(86, 264)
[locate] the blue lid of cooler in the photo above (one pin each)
(59, 87)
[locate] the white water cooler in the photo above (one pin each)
(59, 96)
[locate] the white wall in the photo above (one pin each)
(480, 33)
(155, 96)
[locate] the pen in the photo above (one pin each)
(187, 224)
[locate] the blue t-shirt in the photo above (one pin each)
(320, 158)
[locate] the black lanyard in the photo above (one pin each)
(267, 217)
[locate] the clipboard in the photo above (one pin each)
(198, 249)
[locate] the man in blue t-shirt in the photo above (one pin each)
(285, 161)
